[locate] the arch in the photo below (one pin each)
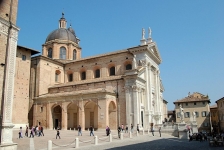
(57, 116)
(74, 54)
(62, 52)
(49, 53)
(91, 114)
(128, 67)
(112, 113)
(73, 116)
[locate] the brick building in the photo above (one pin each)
(220, 109)
(121, 87)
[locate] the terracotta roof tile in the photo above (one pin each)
(192, 98)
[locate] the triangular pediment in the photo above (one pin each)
(154, 51)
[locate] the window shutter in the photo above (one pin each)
(189, 114)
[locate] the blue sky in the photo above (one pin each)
(189, 35)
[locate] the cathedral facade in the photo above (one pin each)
(121, 87)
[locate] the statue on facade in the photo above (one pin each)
(134, 65)
(150, 32)
(143, 33)
(194, 115)
(181, 114)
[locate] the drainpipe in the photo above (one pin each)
(5, 66)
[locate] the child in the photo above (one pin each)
(58, 134)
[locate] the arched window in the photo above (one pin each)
(62, 53)
(112, 71)
(49, 53)
(128, 67)
(70, 77)
(74, 54)
(97, 73)
(83, 75)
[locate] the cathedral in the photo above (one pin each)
(120, 87)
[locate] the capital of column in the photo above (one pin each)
(127, 89)
(135, 88)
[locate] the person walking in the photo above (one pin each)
(138, 128)
(58, 134)
(79, 130)
(107, 131)
(119, 131)
(122, 127)
(160, 131)
(31, 133)
(41, 131)
(27, 129)
(152, 130)
(131, 128)
(126, 129)
(20, 133)
(91, 130)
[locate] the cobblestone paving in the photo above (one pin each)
(142, 142)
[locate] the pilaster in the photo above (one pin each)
(136, 105)
(7, 125)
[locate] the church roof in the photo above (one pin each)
(193, 98)
(33, 52)
(62, 34)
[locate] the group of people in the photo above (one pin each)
(38, 131)
(121, 129)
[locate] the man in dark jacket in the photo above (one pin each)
(91, 130)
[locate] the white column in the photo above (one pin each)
(136, 105)
(7, 124)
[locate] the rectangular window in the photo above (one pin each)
(204, 114)
(23, 57)
(203, 103)
(196, 114)
(70, 77)
(186, 104)
(187, 114)
(194, 103)
(56, 77)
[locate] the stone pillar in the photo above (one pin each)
(49, 121)
(8, 92)
(64, 116)
(81, 114)
(149, 91)
(102, 113)
(128, 105)
(136, 105)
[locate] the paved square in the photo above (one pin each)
(147, 141)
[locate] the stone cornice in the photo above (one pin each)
(96, 80)
(75, 95)
(47, 59)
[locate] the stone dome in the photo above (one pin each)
(62, 34)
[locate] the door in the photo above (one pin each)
(75, 120)
(56, 123)
(92, 119)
